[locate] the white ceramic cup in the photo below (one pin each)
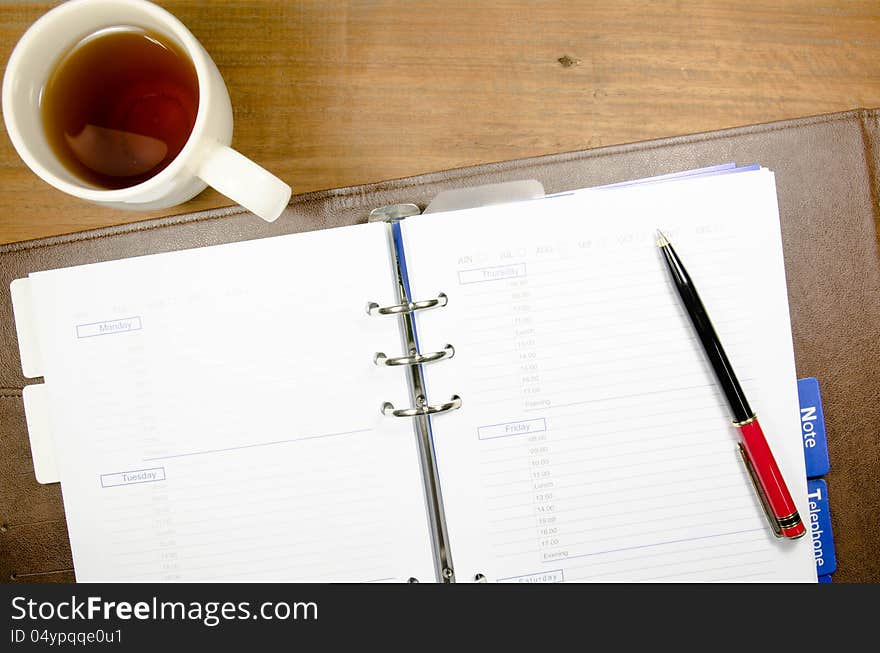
(205, 160)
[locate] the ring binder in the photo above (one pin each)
(407, 307)
(414, 358)
(412, 361)
(422, 408)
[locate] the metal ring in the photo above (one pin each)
(408, 307)
(415, 359)
(423, 409)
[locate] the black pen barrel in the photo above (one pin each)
(739, 405)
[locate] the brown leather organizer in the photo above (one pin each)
(828, 181)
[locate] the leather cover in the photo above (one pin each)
(826, 169)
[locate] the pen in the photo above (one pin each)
(766, 477)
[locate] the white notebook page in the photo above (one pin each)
(216, 414)
(593, 443)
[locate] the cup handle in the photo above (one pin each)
(244, 182)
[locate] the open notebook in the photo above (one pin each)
(228, 413)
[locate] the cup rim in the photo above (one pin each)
(171, 25)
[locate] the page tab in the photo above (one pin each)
(467, 198)
(36, 411)
(31, 361)
(820, 527)
(813, 428)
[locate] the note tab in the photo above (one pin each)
(813, 428)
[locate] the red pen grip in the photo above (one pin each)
(766, 471)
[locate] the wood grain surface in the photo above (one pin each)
(330, 94)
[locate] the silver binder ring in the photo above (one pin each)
(414, 359)
(422, 408)
(407, 307)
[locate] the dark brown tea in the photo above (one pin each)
(120, 106)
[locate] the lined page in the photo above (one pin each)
(216, 414)
(593, 443)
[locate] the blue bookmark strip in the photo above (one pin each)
(813, 428)
(822, 540)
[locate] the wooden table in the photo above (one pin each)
(331, 94)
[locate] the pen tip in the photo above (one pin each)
(662, 240)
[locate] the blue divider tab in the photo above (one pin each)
(820, 527)
(813, 428)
